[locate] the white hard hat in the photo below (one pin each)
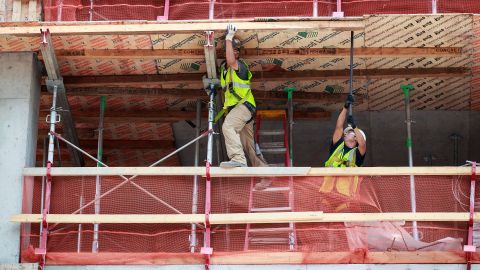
(349, 128)
(363, 135)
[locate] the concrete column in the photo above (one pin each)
(19, 101)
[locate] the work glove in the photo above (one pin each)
(351, 122)
(231, 29)
(349, 102)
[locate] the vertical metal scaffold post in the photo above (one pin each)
(42, 250)
(413, 201)
(350, 85)
(207, 249)
(193, 235)
(98, 179)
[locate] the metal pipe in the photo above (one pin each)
(44, 164)
(211, 117)
(193, 235)
(53, 121)
(98, 179)
(339, 5)
(315, 8)
(90, 11)
(456, 139)
(79, 237)
(350, 86)
(406, 89)
(434, 6)
(59, 10)
(211, 10)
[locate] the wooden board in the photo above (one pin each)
(247, 172)
(135, 28)
(244, 218)
(263, 258)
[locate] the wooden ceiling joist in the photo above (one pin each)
(256, 54)
(122, 117)
(186, 78)
(305, 97)
(141, 28)
(124, 144)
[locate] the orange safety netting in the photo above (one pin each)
(108, 10)
(231, 195)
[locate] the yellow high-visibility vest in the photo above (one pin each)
(236, 89)
(340, 159)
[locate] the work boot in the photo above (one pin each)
(263, 184)
(232, 164)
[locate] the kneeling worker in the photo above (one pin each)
(237, 129)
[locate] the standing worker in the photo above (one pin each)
(235, 78)
(347, 149)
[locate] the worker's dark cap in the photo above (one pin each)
(236, 43)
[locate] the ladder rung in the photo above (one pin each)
(276, 165)
(281, 150)
(271, 209)
(273, 189)
(272, 145)
(272, 114)
(271, 230)
(271, 132)
(269, 240)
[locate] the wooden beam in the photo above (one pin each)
(3, 11)
(17, 11)
(32, 10)
(146, 81)
(263, 258)
(162, 116)
(123, 144)
(142, 28)
(256, 54)
(253, 171)
(244, 218)
(299, 96)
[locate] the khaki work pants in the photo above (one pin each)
(239, 137)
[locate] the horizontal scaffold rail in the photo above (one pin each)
(139, 28)
(249, 172)
(244, 218)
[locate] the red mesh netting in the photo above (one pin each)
(108, 10)
(150, 195)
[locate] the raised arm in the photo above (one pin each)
(338, 132)
(362, 144)
(229, 53)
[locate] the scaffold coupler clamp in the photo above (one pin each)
(208, 83)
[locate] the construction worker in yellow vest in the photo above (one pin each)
(347, 149)
(235, 79)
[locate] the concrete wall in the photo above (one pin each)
(19, 101)
(386, 137)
